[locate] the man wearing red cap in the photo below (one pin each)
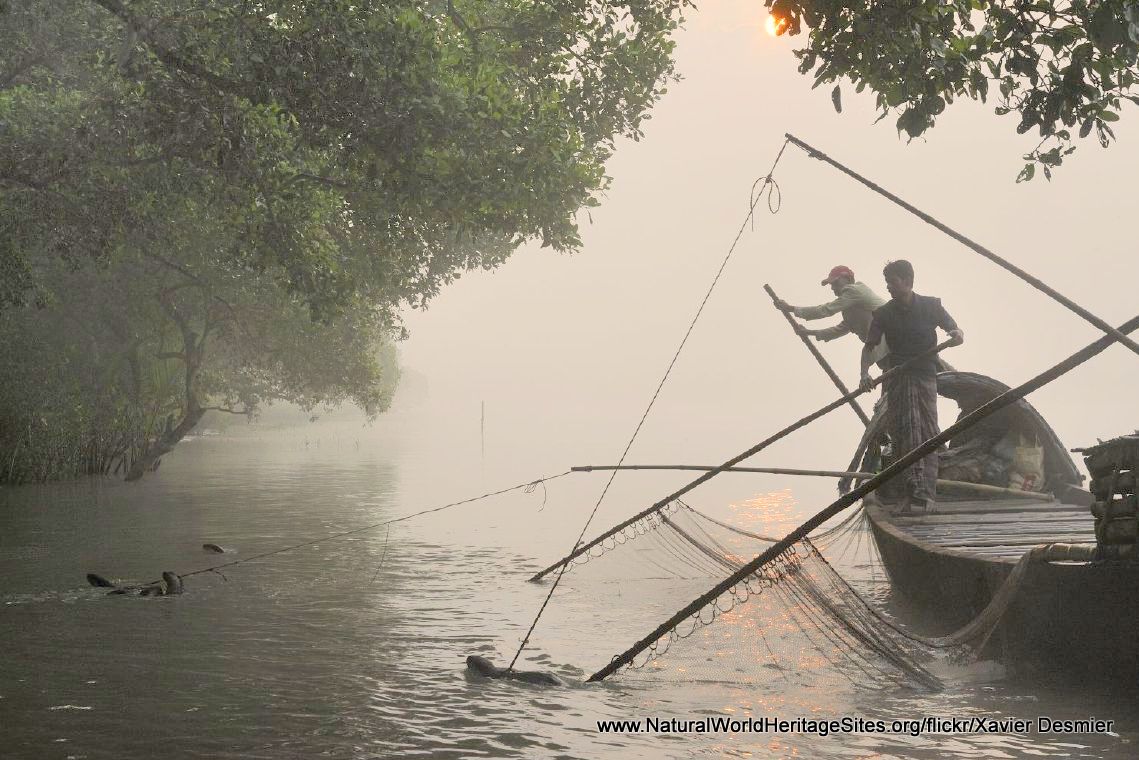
(854, 300)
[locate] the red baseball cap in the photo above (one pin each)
(837, 272)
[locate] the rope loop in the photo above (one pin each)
(775, 194)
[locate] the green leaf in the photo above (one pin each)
(836, 98)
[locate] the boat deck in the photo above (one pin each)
(1002, 529)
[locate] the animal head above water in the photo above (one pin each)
(483, 666)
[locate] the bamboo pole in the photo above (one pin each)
(820, 359)
(995, 490)
(1000, 402)
(1008, 266)
(705, 468)
(582, 548)
(962, 484)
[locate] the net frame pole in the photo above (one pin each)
(1000, 402)
(709, 468)
(1035, 282)
(853, 475)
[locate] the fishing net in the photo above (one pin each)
(795, 617)
(677, 541)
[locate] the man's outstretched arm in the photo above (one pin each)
(873, 338)
(830, 333)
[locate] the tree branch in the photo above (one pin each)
(461, 22)
(166, 55)
(226, 409)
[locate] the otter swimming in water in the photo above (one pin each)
(488, 669)
(170, 585)
(99, 581)
(172, 582)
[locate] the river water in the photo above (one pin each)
(355, 647)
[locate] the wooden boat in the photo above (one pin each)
(1079, 618)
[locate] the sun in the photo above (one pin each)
(776, 25)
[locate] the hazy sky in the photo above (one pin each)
(566, 350)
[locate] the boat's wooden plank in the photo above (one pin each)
(1029, 509)
(1003, 505)
(954, 539)
(974, 503)
(966, 521)
(966, 545)
(1017, 518)
(997, 529)
(1012, 540)
(1005, 553)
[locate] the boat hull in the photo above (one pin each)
(1079, 621)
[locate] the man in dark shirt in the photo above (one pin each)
(908, 323)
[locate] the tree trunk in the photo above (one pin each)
(164, 444)
(192, 351)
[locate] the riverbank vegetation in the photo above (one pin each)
(215, 205)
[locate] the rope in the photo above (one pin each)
(527, 485)
(752, 202)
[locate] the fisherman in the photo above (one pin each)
(854, 300)
(907, 323)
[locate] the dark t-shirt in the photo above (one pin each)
(910, 330)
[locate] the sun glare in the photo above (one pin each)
(776, 26)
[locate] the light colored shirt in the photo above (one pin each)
(856, 302)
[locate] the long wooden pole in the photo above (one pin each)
(582, 548)
(941, 483)
(1000, 402)
(706, 468)
(820, 359)
(1033, 281)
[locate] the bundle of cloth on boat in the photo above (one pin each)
(1114, 467)
(1003, 453)
(1012, 460)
